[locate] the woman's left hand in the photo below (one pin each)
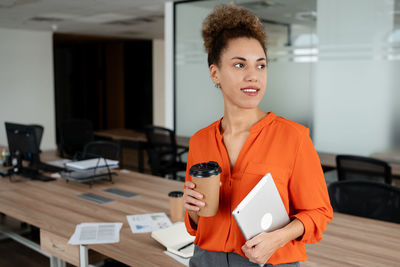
(261, 247)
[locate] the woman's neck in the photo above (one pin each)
(238, 120)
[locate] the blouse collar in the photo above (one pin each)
(255, 128)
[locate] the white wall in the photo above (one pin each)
(26, 82)
(159, 114)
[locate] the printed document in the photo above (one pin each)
(146, 223)
(95, 233)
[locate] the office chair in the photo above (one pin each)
(363, 168)
(164, 158)
(74, 134)
(39, 129)
(102, 149)
(366, 199)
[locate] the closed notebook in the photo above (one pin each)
(176, 239)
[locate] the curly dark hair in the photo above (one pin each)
(228, 22)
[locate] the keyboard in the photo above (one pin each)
(48, 168)
(34, 174)
(41, 177)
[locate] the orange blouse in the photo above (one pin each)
(275, 145)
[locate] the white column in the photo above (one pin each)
(169, 64)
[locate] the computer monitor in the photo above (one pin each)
(23, 142)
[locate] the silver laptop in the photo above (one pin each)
(262, 210)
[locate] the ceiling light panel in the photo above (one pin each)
(105, 18)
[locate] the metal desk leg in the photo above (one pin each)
(53, 261)
(83, 256)
(61, 263)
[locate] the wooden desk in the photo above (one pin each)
(329, 160)
(132, 135)
(136, 140)
(356, 241)
(54, 208)
(393, 158)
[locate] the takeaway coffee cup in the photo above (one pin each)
(176, 205)
(206, 176)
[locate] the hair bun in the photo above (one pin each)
(228, 21)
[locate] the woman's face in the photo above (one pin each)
(241, 73)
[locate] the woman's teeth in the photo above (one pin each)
(249, 90)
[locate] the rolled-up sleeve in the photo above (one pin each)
(308, 192)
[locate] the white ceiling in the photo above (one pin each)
(123, 18)
(142, 19)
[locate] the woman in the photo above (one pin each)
(248, 143)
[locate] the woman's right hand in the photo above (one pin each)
(192, 200)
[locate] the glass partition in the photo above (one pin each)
(333, 67)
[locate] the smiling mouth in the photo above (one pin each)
(250, 91)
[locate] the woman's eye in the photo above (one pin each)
(239, 65)
(262, 66)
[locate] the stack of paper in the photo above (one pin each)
(88, 164)
(95, 233)
(176, 239)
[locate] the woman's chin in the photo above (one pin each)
(249, 104)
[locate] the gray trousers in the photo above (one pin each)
(205, 258)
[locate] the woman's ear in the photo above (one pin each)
(214, 73)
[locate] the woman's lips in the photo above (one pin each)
(250, 91)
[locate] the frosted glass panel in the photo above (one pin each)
(353, 78)
(199, 103)
(333, 66)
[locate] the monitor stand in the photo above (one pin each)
(28, 172)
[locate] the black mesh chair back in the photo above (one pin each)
(162, 141)
(363, 168)
(39, 129)
(163, 152)
(102, 149)
(366, 199)
(74, 134)
(39, 133)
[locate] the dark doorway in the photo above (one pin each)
(106, 81)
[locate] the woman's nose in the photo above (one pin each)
(251, 75)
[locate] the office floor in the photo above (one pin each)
(15, 254)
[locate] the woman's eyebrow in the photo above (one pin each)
(242, 58)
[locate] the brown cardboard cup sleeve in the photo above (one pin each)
(176, 205)
(206, 177)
